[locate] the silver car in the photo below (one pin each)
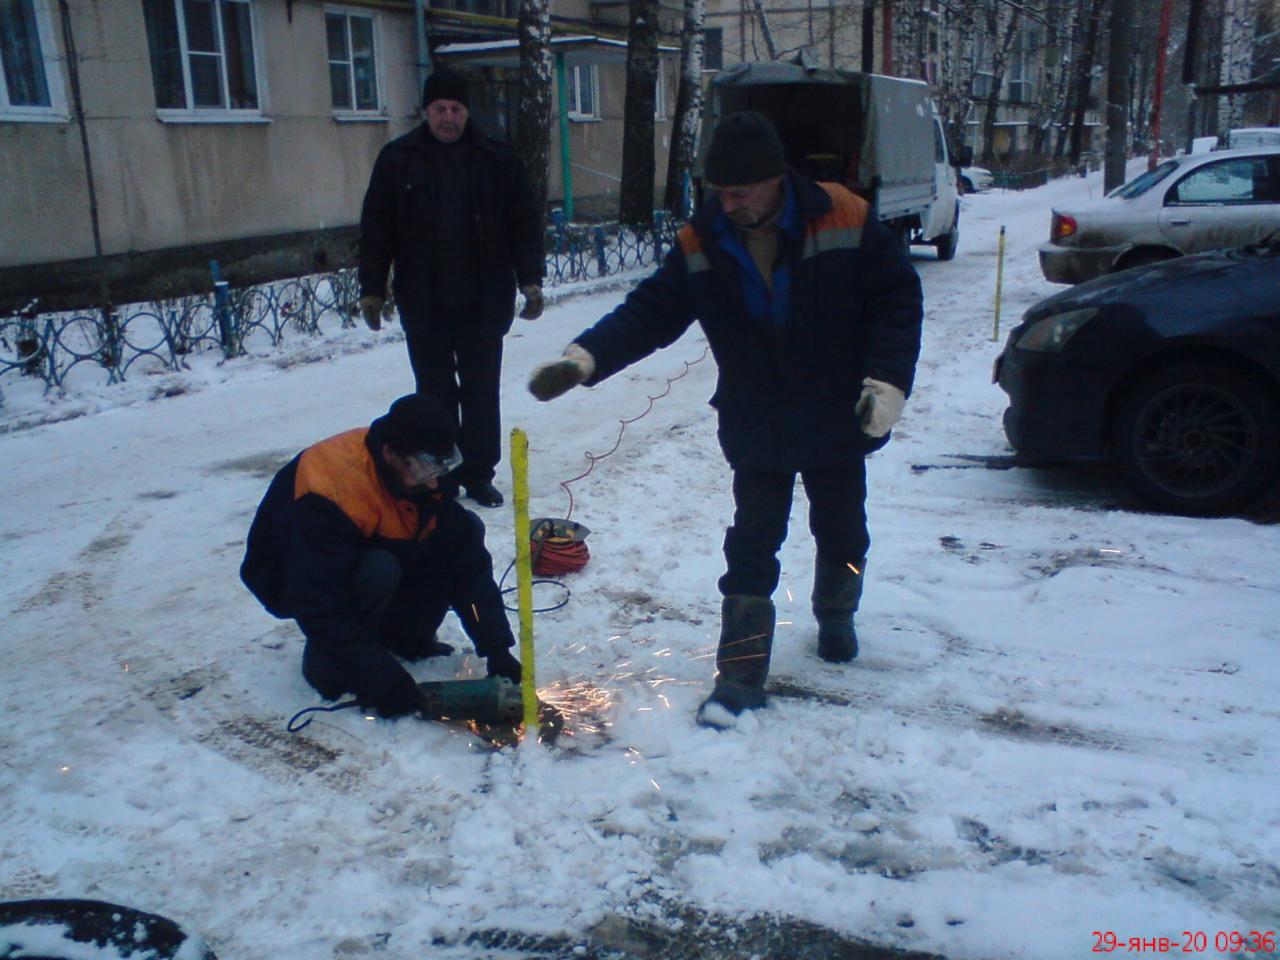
(1188, 204)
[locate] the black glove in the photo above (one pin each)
(400, 699)
(503, 664)
(371, 309)
(532, 302)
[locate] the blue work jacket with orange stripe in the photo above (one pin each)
(787, 386)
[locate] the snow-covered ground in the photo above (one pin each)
(1062, 730)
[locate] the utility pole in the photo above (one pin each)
(1157, 95)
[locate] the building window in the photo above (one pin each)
(713, 48)
(353, 75)
(584, 92)
(202, 54)
(31, 87)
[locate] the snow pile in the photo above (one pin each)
(1062, 724)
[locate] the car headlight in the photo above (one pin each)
(1051, 334)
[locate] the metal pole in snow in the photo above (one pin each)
(995, 325)
(524, 577)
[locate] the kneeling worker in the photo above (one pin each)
(357, 541)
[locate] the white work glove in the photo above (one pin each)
(549, 380)
(879, 407)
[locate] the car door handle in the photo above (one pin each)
(1179, 222)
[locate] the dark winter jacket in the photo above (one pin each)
(324, 508)
(397, 217)
(788, 380)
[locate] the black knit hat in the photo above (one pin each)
(744, 149)
(445, 85)
(417, 423)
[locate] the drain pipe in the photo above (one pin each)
(424, 52)
(73, 73)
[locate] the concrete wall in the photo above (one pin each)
(163, 184)
(596, 145)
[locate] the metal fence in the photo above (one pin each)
(114, 340)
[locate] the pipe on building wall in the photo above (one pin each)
(424, 51)
(566, 167)
(73, 73)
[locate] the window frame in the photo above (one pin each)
(50, 58)
(660, 93)
(707, 33)
(220, 114)
(378, 111)
(576, 114)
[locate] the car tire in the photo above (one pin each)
(1198, 439)
(947, 243)
(966, 185)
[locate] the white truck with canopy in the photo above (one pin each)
(879, 136)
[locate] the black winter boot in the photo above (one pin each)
(837, 588)
(742, 660)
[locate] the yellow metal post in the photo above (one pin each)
(524, 576)
(995, 325)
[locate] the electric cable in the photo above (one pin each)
(551, 554)
(290, 726)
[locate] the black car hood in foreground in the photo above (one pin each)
(1185, 286)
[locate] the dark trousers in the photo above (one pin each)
(397, 608)
(394, 613)
(762, 508)
(457, 358)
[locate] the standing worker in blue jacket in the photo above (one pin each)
(812, 311)
(358, 540)
(455, 213)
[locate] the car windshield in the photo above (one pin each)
(1140, 185)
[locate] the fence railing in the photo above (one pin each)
(114, 340)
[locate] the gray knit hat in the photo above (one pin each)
(744, 149)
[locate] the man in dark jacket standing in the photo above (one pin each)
(812, 311)
(357, 540)
(454, 211)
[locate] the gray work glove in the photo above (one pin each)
(371, 308)
(879, 407)
(549, 380)
(532, 302)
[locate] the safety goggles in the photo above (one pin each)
(425, 466)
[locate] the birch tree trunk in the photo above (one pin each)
(533, 125)
(1238, 25)
(688, 116)
(636, 207)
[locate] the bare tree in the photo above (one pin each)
(636, 207)
(1090, 25)
(533, 126)
(955, 70)
(1001, 27)
(688, 116)
(758, 7)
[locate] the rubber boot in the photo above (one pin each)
(742, 660)
(837, 588)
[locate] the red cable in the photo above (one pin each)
(555, 555)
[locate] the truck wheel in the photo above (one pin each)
(1198, 439)
(947, 243)
(903, 232)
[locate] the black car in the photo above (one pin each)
(1170, 371)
